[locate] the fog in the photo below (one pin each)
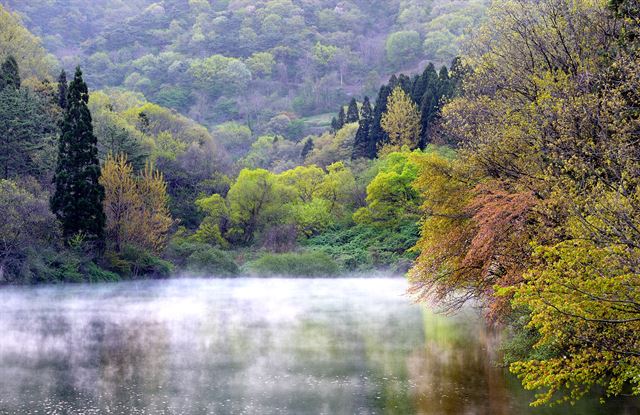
(245, 346)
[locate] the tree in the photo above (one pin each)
(307, 148)
(26, 225)
(428, 78)
(17, 41)
(391, 196)
(9, 74)
(78, 197)
(304, 180)
(218, 75)
(255, 200)
(401, 121)
(540, 213)
(342, 119)
(27, 130)
(337, 188)
(135, 206)
(63, 90)
(353, 114)
(377, 134)
(403, 47)
(363, 146)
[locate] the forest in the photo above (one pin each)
(487, 150)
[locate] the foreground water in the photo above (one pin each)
(250, 346)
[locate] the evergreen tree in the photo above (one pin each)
(78, 197)
(334, 124)
(405, 83)
(62, 90)
(444, 81)
(307, 148)
(9, 74)
(363, 146)
(428, 78)
(377, 134)
(352, 112)
(27, 134)
(342, 118)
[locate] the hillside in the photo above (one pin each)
(249, 60)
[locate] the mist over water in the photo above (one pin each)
(249, 346)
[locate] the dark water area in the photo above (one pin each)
(252, 346)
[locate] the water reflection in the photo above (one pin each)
(249, 346)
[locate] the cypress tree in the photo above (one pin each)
(78, 197)
(9, 74)
(334, 124)
(428, 77)
(362, 146)
(342, 118)
(63, 88)
(405, 83)
(353, 113)
(307, 148)
(376, 133)
(444, 82)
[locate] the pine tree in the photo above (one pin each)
(78, 197)
(363, 146)
(352, 112)
(63, 90)
(342, 118)
(307, 148)
(9, 74)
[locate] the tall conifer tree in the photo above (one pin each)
(307, 148)
(342, 118)
(63, 90)
(352, 112)
(78, 197)
(363, 147)
(376, 133)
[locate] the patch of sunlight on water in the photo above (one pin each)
(250, 346)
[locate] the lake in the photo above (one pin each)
(251, 346)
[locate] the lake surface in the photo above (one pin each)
(250, 346)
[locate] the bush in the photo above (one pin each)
(365, 247)
(305, 264)
(96, 274)
(134, 262)
(51, 266)
(202, 258)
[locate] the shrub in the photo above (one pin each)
(96, 274)
(201, 258)
(134, 262)
(305, 264)
(365, 247)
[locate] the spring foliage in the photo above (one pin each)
(540, 209)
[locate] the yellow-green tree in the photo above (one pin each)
(542, 205)
(17, 41)
(401, 122)
(135, 206)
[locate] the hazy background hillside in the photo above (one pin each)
(249, 61)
